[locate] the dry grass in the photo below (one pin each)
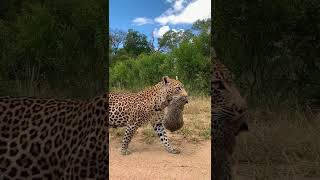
(197, 119)
(280, 145)
(196, 126)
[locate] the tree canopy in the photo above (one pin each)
(52, 48)
(272, 47)
(184, 54)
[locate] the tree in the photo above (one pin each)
(136, 43)
(47, 46)
(117, 37)
(172, 39)
(203, 26)
(272, 47)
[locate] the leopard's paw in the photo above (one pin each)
(174, 151)
(125, 152)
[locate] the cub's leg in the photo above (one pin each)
(161, 132)
(131, 129)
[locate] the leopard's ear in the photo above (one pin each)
(165, 79)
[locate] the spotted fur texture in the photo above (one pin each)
(229, 111)
(173, 115)
(131, 110)
(53, 139)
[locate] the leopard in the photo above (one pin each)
(48, 138)
(229, 113)
(134, 109)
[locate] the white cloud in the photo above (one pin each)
(178, 5)
(185, 14)
(158, 33)
(142, 21)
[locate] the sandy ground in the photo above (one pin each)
(245, 172)
(151, 161)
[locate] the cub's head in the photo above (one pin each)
(168, 89)
(178, 102)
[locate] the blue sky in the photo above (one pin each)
(155, 17)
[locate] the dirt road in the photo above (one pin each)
(151, 161)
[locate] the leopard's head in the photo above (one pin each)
(226, 98)
(169, 88)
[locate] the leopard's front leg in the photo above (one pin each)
(131, 129)
(161, 132)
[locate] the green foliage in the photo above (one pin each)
(117, 37)
(271, 46)
(188, 59)
(202, 26)
(193, 66)
(172, 39)
(135, 73)
(52, 48)
(136, 43)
